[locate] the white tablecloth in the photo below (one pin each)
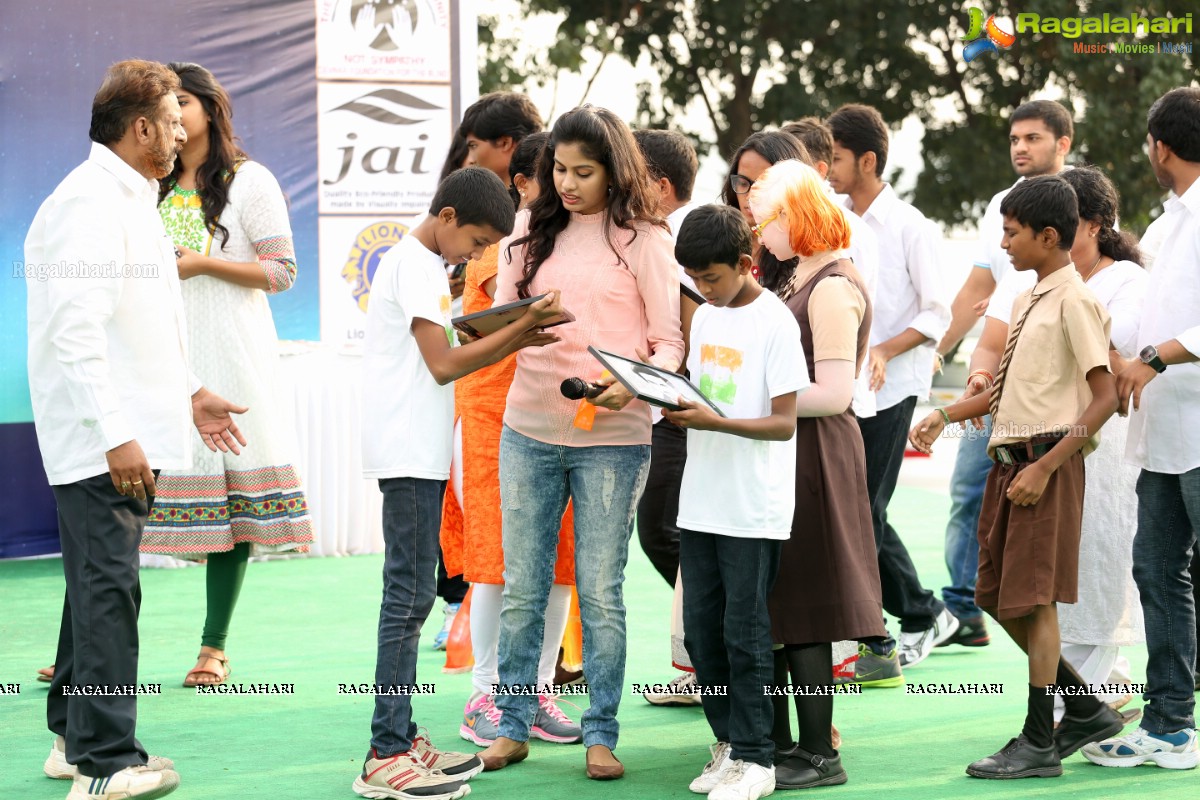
(324, 385)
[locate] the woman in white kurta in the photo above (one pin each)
(228, 219)
(1108, 614)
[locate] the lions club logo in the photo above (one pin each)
(369, 246)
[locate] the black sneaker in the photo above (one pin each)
(1074, 733)
(1018, 759)
(803, 770)
(972, 632)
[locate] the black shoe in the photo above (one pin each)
(803, 770)
(1018, 759)
(971, 632)
(1074, 733)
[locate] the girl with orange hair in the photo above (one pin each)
(832, 544)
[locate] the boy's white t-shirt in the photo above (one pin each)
(408, 419)
(741, 358)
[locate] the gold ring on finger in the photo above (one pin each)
(137, 483)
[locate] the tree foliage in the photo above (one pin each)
(757, 64)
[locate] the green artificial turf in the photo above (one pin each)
(311, 622)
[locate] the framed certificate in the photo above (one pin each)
(490, 320)
(650, 383)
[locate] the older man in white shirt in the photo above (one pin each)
(110, 385)
(911, 314)
(1161, 387)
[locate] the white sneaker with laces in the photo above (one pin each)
(1139, 747)
(461, 766)
(131, 782)
(744, 780)
(59, 768)
(405, 777)
(916, 647)
(714, 770)
(681, 691)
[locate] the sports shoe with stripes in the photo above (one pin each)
(404, 777)
(139, 782)
(551, 724)
(462, 766)
(1140, 747)
(59, 768)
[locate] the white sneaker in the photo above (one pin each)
(59, 768)
(1139, 747)
(744, 780)
(916, 647)
(681, 691)
(131, 782)
(405, 777)
(714, 770)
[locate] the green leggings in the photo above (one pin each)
(224, 579)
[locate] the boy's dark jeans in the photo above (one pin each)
(412, 519)
(728, 634)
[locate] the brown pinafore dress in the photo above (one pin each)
(828, 584)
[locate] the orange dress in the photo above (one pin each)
(471, 537)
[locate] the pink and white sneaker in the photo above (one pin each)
(481, 720)
(551, 724)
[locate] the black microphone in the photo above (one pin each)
(578, 388)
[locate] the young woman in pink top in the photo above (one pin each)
(594, 235)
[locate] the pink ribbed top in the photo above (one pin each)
(618, 308)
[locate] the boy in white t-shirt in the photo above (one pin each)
(409, 366)
(738, 493)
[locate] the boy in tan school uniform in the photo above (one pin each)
(1052, 393)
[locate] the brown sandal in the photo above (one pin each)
(46, 674)
(190, 682)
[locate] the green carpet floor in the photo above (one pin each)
(312, 623)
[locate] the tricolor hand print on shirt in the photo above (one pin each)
(719, 369)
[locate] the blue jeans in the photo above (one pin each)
(536, 480)
(412, 519)
(1168, 520)
(728, 634)
(971, 467)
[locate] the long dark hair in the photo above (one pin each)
(216, 173)
(457, 155)
(1098, 202)
(525, 159)
(774, 146)
(603, 138)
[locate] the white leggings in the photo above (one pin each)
(485, 633)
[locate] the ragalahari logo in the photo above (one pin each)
(987, 37)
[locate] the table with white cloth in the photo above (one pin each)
(323, 383)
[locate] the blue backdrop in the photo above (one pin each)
(52, 56)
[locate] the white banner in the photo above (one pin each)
(380, 146)
(388, 40)
(350, 251)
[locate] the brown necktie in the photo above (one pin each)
(994, 400)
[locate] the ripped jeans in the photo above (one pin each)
(536, 480)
